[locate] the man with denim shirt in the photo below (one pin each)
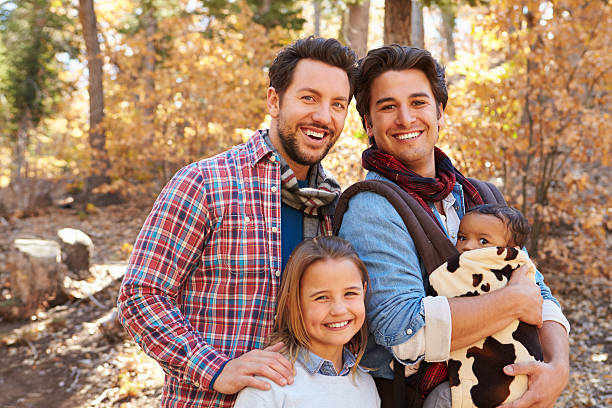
(199, 294)
(401, 95)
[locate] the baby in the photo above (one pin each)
(489, 241)
(492, 225)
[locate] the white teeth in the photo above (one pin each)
(339, 324)
(405, 136)
(314, 134)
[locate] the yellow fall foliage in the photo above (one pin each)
(535, 107)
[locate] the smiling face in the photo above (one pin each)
(332, 303)
(404, 119)
(481, 231)
(308, 119)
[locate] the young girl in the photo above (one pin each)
(320, 321)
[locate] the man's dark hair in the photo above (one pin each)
(396, 58)
(514, 220)
(327, 50)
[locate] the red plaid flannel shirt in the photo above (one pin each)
(202, 281)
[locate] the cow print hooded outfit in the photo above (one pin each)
(476, 372)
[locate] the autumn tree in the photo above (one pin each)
(533, 112)
(398, 17)
(404, 20)
(268, 13)
(356, 26)
(209, 79)
(100, 164)
(32, 34)
(448, 12)
(417, 35)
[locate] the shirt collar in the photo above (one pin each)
(257, 147)
(315, 364)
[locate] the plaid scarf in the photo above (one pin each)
(315, 201)
(423, 189)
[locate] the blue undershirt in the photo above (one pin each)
(292, 224)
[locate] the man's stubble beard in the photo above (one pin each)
(288, 140)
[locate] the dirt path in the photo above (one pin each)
(62, 359)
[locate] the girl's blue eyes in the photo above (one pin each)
(326, 297)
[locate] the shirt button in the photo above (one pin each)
(274, 229)
(274, 189)
(196, 384)
(273, 158)
(247, 219)
(409, 332)
(277, 273)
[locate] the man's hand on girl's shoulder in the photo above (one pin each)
(241, 371)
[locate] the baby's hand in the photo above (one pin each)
(527, 296)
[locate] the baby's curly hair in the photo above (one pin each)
(514, 220)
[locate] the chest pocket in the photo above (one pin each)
(242, 244)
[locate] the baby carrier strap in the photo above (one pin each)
(431, 243)
(488, 192)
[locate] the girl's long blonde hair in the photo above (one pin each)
(289, 325)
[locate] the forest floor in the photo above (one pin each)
(61, 358)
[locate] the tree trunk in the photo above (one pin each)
(154, 161)
(398, 25)
(317, 17)
(18, 169)
(448, 27)
(148, 65)
(418, 31)
(97, 137)
(358, 21)
(266, 6)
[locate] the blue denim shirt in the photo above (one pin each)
(394, 301)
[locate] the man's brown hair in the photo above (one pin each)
(327, 50)
(397, 58)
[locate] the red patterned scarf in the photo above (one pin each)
(422, 189)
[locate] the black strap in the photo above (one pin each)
(431, 243)
(488, 192)
(399, 385)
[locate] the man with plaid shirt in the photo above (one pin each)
(199, 294)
